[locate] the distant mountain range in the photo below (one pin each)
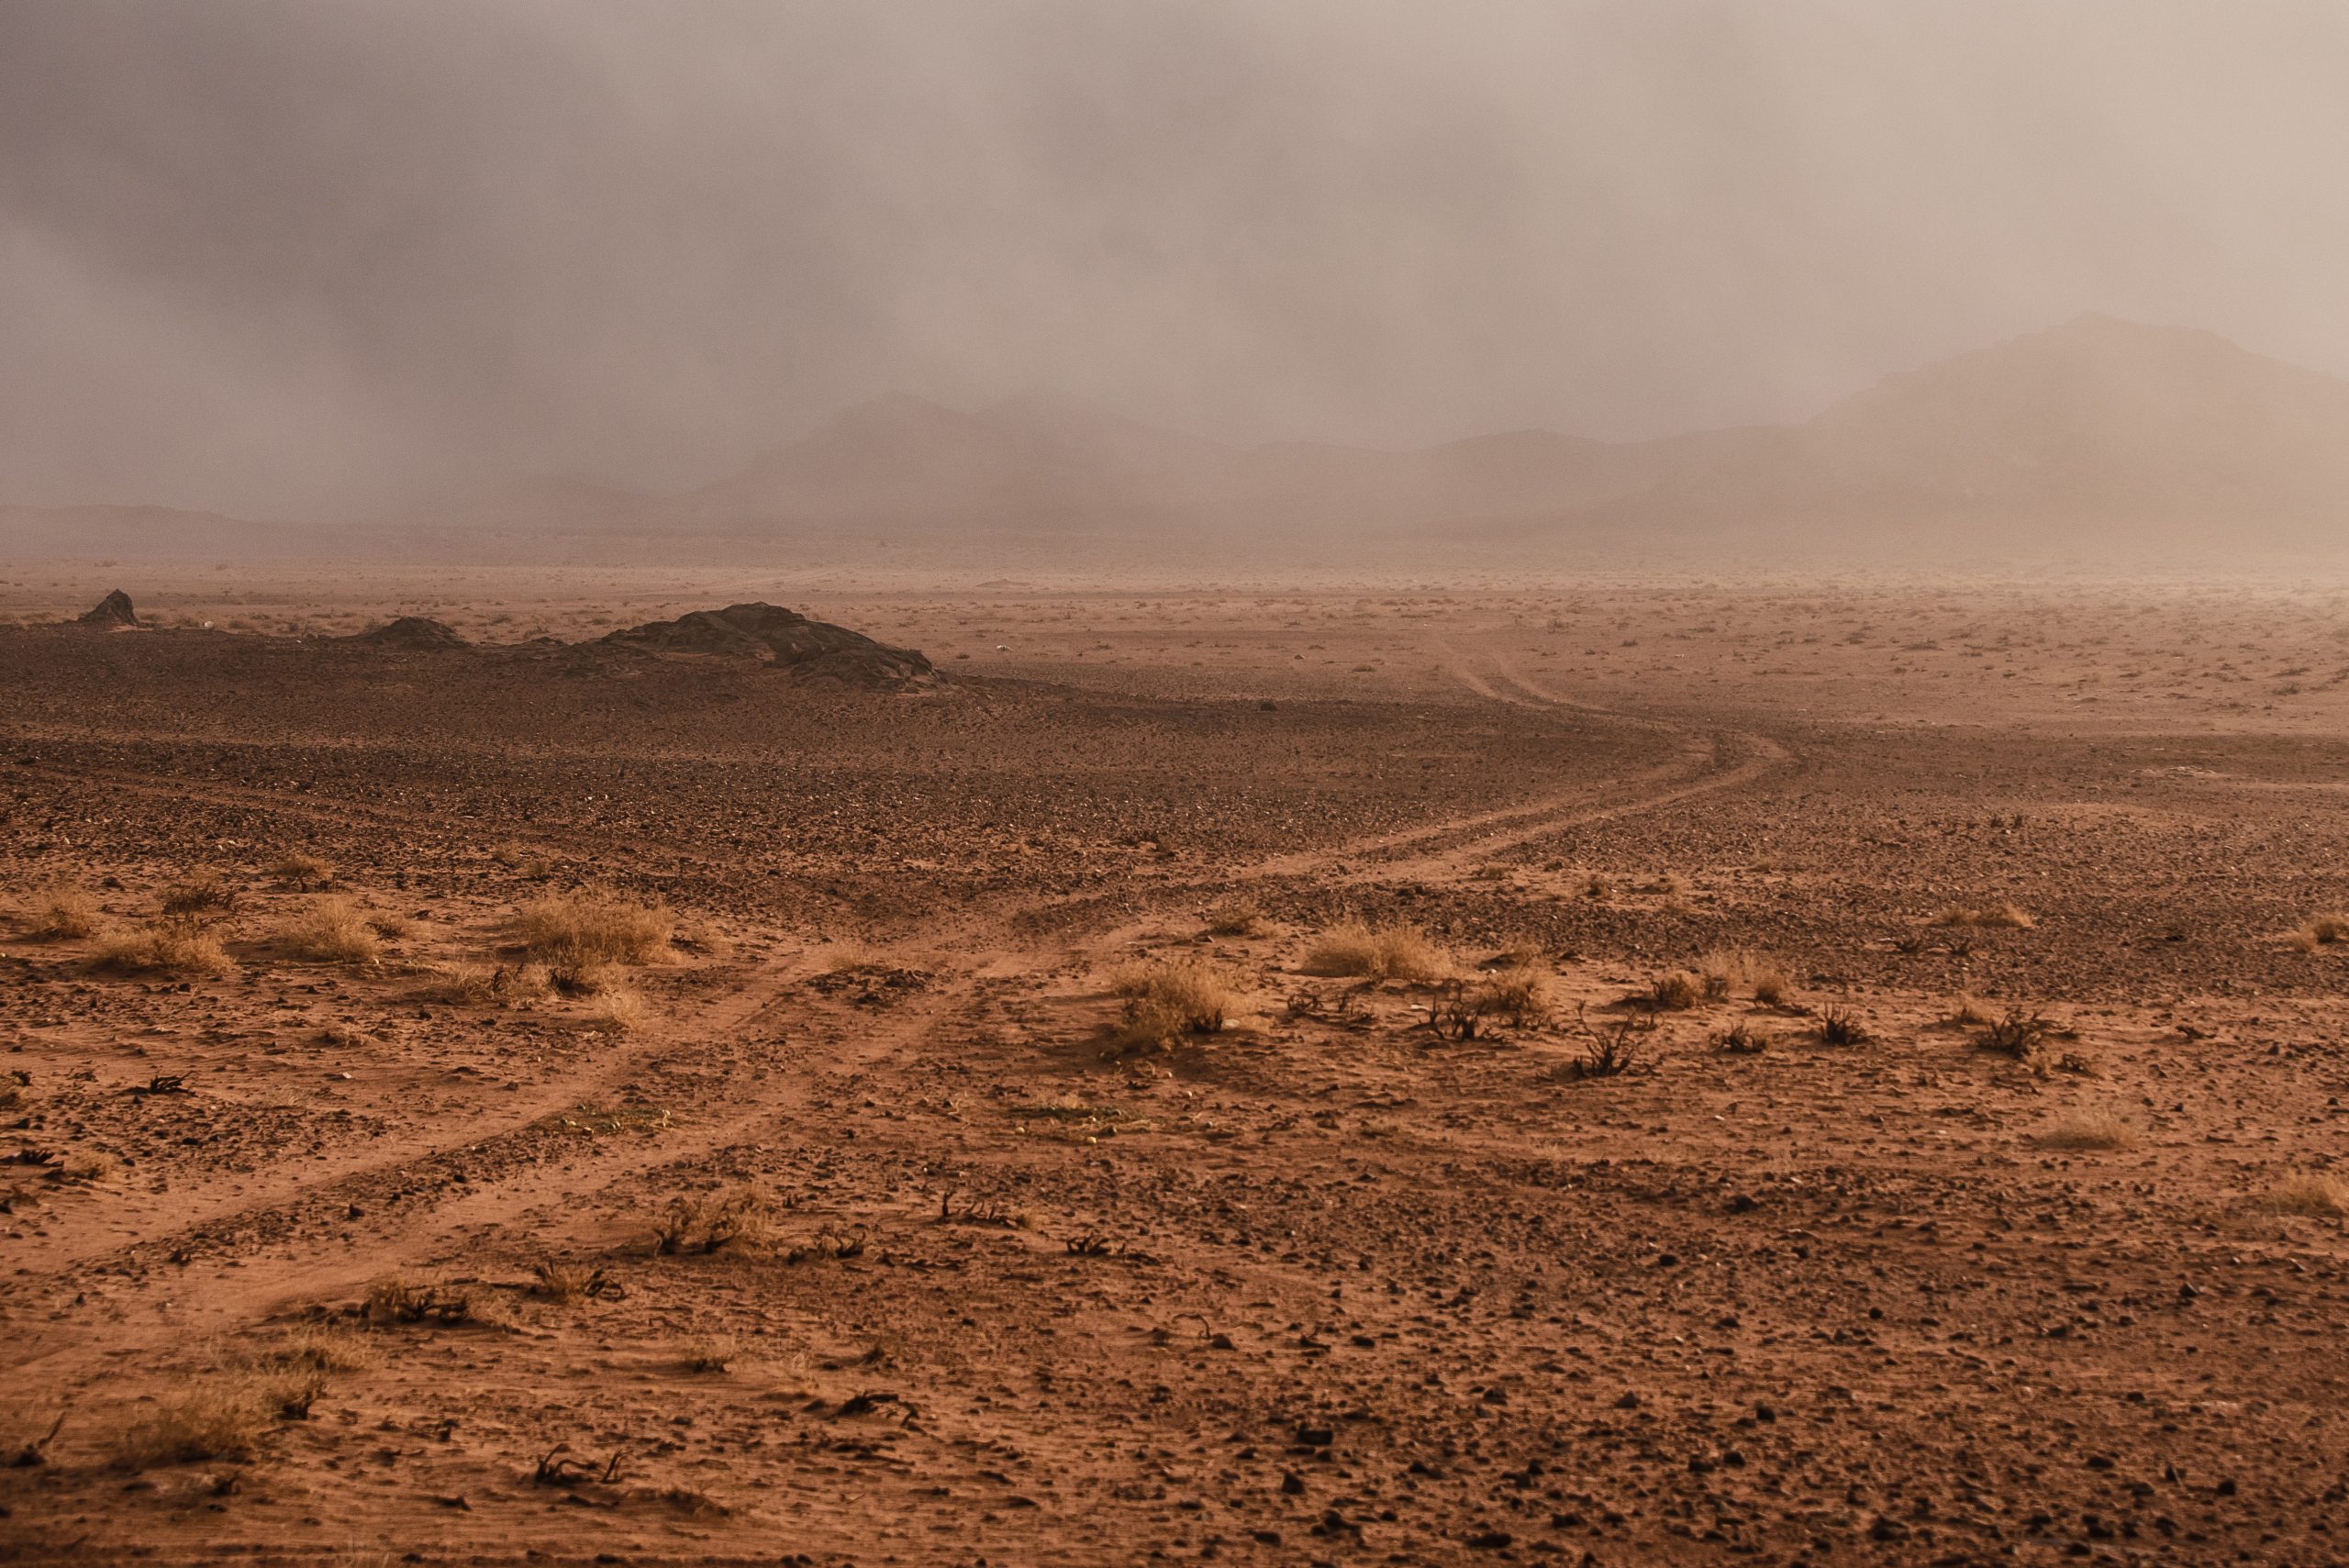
(2097, 435)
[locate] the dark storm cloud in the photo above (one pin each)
(331, 255)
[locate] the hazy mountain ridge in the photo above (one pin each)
(2095, 431)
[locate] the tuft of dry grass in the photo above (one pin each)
(321, 1347)
(1968, 1013)
(1724, 971)
(1391, 952)
(475, 985)
(2090, 1130)
(2019, 1035)
(1521, 991)
(710, 1352)
(212, 1417)
(596, 926)
(2319, 1197)
(302, 869)
(2324, 930)
(1674, 993)
(1237, 920)
(64, 914)
(617, 1011)
(333, 929)
(1996, 917)
(199, 893)
(1191, 992)
(169, 944)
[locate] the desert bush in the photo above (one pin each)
(216, 1416)
(2319, 1197)
(710, 1352)
(475, 985)
(1723, 971)
(1841, 1026)
(1146, 1024)
(1597, 888)
(199, 893)
(596, 926)
(1741, 1038)
(302, 869)
(2324, 930)
(2021, 1035)
(1968, 1013)
(2090, 1129)
(1674, 993)
(616, 1012)
(1193, 992)
(169, 944)
(1520, 994)
(66, 912)
(1996, 917)
(1237, 920)
(401, 1299)
(323, 1348)
(1391, 952)
(333, 929)
(743, 1214)
(1612, 1051)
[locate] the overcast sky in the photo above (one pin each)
(319, 256)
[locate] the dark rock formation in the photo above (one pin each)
(412, 631)
(113, 610)
(810, 649)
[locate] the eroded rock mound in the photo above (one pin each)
(412, 631)
(113, 610)
(810, 649)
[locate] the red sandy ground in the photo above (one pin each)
(1320, 1288)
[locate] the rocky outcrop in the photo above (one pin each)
(810, 649)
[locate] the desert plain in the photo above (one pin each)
(1438, 1069)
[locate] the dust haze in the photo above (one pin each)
(332, 262)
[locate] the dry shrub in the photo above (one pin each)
(1597, 888)
(321, 1347)
(2325, 931)
(742, 1214)
(199, 893)
(1391, 952)
(596, 926)
(213, 1418)
(303, 870)
(169, 944)
(1741, 1038)
(2090, 1129)
(1996, 917)
(710, 1352)
(401, 1299)
(1192, 992)
(1674, 993)
(474, 984)
(1724, 971)
(1968, 1013)
(2320, 1196)
(333, 929)
(1841, 1026)
(66, 912)
(616, 1012)
(1461, 1007)
(2019, 1035)
(89, 1166)
(1237, 920)
(1145, 1025)
(1520, 992)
